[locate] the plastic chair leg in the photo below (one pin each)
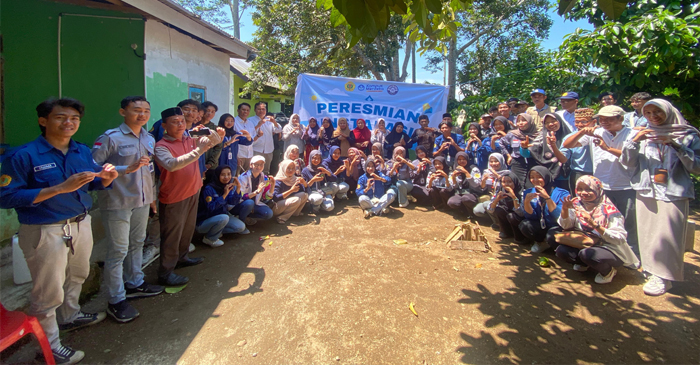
(43, 340)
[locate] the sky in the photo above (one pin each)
(560, 28)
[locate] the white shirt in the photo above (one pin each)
(266, 143)
(606, 166)
(569, 118)
(249, 126)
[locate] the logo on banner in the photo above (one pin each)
(369, 98)
(427, 109)
(350, 86)
(360, 87)
(392, 89)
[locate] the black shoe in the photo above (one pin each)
(173, 279)
(66, 355)
(122, 312)
(83, 320)
(495, 227)
(504, 235)
(190, 262)
(145, 290)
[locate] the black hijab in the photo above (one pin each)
(230, 132)
(542, 152)
(216, 179)
(445, 166)
(546, 175)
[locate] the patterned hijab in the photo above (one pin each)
(603, 208)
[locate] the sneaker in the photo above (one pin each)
(386, 210)
(367, 213)
(600, 279)
(83, 320)
(246, 231)
(144, 290)
(581, 268)
(250, 221)
(211, 243)
(403, 205)
(191, 249)
(122, 312)
(657, 286)
(66, 355)
(538, 247)
(150, 254)
(411, 199)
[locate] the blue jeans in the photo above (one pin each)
(125, 230)
(404, 188)
(213, 227)
(248, 209)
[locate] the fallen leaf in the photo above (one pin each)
(605, 303)
(270, 243)
(410, 306)
(445, 318)
(454, 268)
(302, 258)
(478, 266)
(241, 343)
(400, 242)
(174, 289)
(492, 259)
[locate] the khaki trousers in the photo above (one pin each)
(57, 275)
(293, 205)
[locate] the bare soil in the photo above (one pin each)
(335, 289)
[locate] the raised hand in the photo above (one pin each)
(541, 192)
(510, 192)
(221, 132)
(108, 172)
(143, 161)
(567, 203)
(552, 140)
(644, 134)
(589, 131)
(76, 181)
(526, 142)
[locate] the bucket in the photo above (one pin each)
(20, 270)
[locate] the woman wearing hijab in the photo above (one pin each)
(363, 137)
(439, 186)
(373, 196)
(293, 132)
(546, 150)
(490, 178)
(400, 168)
(662, 157)
(419, 177)
(312, 138)
(592, 233)
(355, 167)
(397, 137)
(525, 134)
(379, 134)
(541, 209)
(506, 202)
(290, 193)
(232, 139)
(477, 150)
(378, 154)
(336, 165)
(500, 126)
(256, 191)
(326, 135)
(292, 154)
(321, 192)
(463, 199)
(215, 201)
(343, 137)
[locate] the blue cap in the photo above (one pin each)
(569, 95)
(538, 91)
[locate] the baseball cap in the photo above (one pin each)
(610, 111)
(569, 95)
(538, 91)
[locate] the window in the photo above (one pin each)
(198, 93)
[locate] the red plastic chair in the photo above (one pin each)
(15, 325)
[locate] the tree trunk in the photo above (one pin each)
(413, 64)
(234, 18)
(452, 68)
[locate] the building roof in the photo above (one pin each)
(169, 11)
(240, 69)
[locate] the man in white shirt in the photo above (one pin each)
(569, 103)
(241, 122)
(266, 126)
(606, 144)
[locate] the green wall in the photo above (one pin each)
(162, 91)
(98, 65)
(272, 105)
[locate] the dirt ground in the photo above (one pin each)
(337, 291)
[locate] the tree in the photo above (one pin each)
(652, 47)
(212, 11)
(494, 22)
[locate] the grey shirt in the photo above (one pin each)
(121, 148)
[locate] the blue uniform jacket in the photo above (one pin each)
(379, 188)
(550, 218)
(458, 138)
(229, 155)
(308, 175)
(212, 204)
(38, 165)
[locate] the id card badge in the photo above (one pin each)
(151, 168)
(230, 155)
(661, 176)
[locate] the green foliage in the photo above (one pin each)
(653, 47)
(210, 10)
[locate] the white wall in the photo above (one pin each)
(174, 60)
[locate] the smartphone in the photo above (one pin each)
(201, 132)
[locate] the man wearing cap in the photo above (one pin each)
(125, 207)
(177, 156)
(606, 144)
(541, 108)
(569, 103)
(521, 107)
(46, 182)
(485, 125)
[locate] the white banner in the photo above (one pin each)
(321, 96)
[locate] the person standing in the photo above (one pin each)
(635, 119)
(663, 156)
(46, 182)
(211, 158)
(424, 136)
(608, 98)
(245, 153)
(125, 207)
(539, 96)
(569, 101)
(177, 155)
(447, 144)
(504, 111)
(266, 128)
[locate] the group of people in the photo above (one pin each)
(582, 183)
